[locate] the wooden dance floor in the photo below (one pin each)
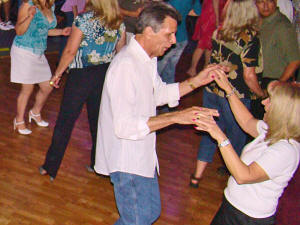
(77, 197)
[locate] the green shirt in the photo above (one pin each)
(279, 44)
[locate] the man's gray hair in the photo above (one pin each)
(154, 14)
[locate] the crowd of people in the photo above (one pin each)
(121, 59)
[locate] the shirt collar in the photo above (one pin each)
(140, 53)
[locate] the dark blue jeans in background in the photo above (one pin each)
(226, 122)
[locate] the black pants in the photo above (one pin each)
(229, 215)
(82, 86)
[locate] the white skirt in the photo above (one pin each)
(28, 68)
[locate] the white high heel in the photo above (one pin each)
(41, 123)
(21, 131)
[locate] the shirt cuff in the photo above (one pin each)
(173, 95)
(142, 128)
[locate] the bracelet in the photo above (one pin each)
(191, 85)
(231, 93)
(224, 143)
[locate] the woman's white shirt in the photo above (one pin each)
(279, 161)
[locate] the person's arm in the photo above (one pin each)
(187, 116)
(123, 88)
(286, 42)
(75, 11)
(224, 10)
(250, 78)
(203, 78)
(25, 16)
(121, 42)
(216, 11)
(242, 115)
(68, 54)
(290, 70)
(242, 173)
(250, 59)
(57, 32)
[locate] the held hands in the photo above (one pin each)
(192, 114)
(222, 81)
(209, 125)
(208, 73)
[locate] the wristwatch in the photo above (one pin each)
(224, 143)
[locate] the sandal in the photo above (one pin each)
(194, 184)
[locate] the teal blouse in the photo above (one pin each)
(98, 43)
(35, 38)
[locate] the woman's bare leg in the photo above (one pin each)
(192, 71)
(200, 167)
(207, 55)
(22, 101)
(40, 99)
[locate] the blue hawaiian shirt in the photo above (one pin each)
(98, 43)
(35, 38)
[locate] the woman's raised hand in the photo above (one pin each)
(222, 81)
(208, 124)
(31, 11)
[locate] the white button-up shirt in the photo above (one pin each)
(131, 92)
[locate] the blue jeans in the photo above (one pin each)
(166, 66)
(137, 197)
(226, 122)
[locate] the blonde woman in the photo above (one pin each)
(29, 66)
(96, 36)
(235, 44)
(266, 165)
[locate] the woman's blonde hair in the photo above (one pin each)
(106, 10)
(48, 4)
(240, 15)
(283, 116)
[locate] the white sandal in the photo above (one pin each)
(21, 131)
(33, 116)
